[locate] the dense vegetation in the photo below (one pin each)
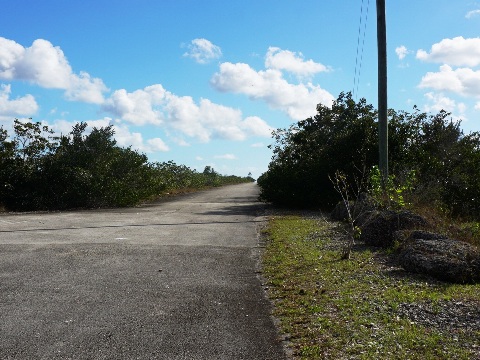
(443, 162)
(40, 171)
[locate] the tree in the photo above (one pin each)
(343, 137)
(445, 161)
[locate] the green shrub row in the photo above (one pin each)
(39, 171)
(445, 161)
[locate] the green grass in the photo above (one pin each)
(347, 309)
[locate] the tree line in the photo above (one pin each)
(41, 171)
(431, 149)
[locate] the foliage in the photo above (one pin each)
(342, 137)
(41, 172)
(430, 158)
(387, 193)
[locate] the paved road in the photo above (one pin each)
(173, 280)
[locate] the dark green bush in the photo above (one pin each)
(342, 137)
(41, 172)
(446, 162)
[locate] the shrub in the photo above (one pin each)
(443, 160)
(41, 172)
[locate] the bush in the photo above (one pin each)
(343, 138)
(445, 161)
(41, 172)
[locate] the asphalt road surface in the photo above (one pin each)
(173, 280)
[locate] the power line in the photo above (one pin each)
(359, 60)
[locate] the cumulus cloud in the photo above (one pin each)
(477, 106)
(10, 53)
(401, 52)
(279, 59)
(203, 51)
(203, 120)
(457, 52)
(46, 65)
(297, 100)
(472, 14)
(438, 101)
(463, 81)
(157, 144)
(84, 88)
(21, 106)
(140, 107)
(126, 138)
(257, 127)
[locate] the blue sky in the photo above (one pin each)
(204, 82)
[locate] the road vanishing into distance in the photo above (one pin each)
(176, 279)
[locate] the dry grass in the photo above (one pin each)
(456, 228)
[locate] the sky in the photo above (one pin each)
(204, 83)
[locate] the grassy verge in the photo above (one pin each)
(359, 308)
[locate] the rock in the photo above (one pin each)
(445, 259)
(364, 205)
(426, 235)
(379, 227)
(402, 236)
(340, 212)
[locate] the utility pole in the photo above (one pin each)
(382, 90)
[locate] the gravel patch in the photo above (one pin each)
(443, 315)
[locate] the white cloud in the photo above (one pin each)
(477, 106)
(463, 81)
(46, 65)
(257, 127)
(279, 59)
(126, 138)
(61, 126)
(157, 144)
(43, 64)
(10, 52)
(84, 88)
(184, 115)
(438, 101)
(225, 157)
(139, 107)
(457, 52)
(204, 120)
(472, 14)
(203, 51)
(401, 52)
(21, 106)
(298, 101)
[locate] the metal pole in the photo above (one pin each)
(382, 89)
